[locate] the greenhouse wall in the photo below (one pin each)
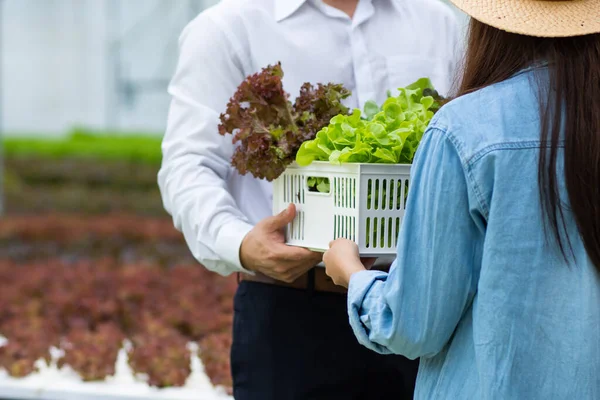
(101, 64)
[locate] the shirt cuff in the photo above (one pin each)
(360, 283)
(358, 289)
(229, 241)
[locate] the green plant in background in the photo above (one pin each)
(84, 172)
(88, 144)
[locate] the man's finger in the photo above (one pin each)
(281, 220)
(294, 253)
(299, 253)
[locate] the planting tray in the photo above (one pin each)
(51, 383)
(365, 203)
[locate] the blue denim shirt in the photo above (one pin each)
(476, 291)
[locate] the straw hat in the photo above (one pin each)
(543, 18)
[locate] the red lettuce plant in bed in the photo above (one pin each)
(30, 339)
(93, 354)
(87, 305)
(214, 349)
(88, 308)
(159, 351)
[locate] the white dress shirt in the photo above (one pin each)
(386, 45)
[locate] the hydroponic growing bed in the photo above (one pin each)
(50, 383)
(109, 307)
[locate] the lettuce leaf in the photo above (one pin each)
(388, 134)
(268, 129)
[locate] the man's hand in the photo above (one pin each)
(264, 250)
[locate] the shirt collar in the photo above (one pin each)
(285, 8)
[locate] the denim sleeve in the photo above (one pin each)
(415, 308)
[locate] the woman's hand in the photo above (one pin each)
(342, 260)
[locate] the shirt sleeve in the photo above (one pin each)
(415, 308)
(196, 158)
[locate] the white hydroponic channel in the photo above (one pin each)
(51, 383)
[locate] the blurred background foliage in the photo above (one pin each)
(84, 172)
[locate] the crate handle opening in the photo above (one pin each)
(318, 185)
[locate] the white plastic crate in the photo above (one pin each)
(347, 210)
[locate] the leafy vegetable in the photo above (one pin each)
(439, 100)
(269, 128)
(388, 134)
(318, 184)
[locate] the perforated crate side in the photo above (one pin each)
(382, 204)
(346, 211)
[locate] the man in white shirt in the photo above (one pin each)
(291, 339)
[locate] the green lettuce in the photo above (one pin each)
(388, 134)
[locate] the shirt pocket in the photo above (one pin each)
(406, 69)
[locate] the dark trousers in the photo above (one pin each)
(293, 344)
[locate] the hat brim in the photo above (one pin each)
(541, 18)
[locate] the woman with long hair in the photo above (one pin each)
(496, 285)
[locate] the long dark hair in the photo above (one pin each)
(569, 110)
